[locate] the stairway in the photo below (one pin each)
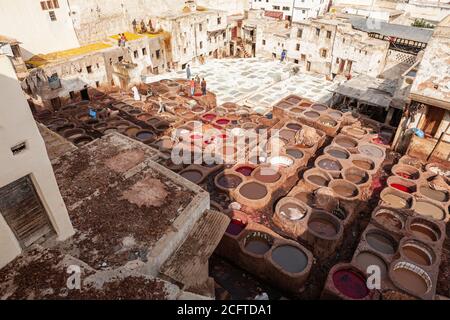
(241, 46)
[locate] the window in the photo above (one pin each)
(158, 54)
(201, 44)
(52, 15)
(323, 53)
(337, 60)
(286, 8)
(55, 4)
(120, 58)
(89, 69)
(136, 54)
(19, 148)
(328, 34)
(276, 7)
(297, 47)
(317, 32)
(299, 33)
(200, 27)
(144, 51)
(50, 4)
(219, 20)
(97, 84)
(296, 61)
(44, 5)
(264, 42)
(184, 50)
(303, 57)
(343, 40)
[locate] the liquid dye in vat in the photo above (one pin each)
(229, 181)
(144, 135)
(417, 254)
(209, 117)
(410, 280)
(331, 165)
(223, 121)
(404, 175)
(287, 134)
(267, 175)
(395, 201)
(235, 227)
(312, 114)
(346, 143)
(366, 259)
(356, 178)
(318, 180)
(338, 154)
(401, 187)
(345, 190)
(294, 126)
(257, 246)
(295, 153)
(350, 284)
(363, 164)
(424, 232)
(429, 210)
(380, 243)
(290, 258)
(322, 227)
(390, 220)
(293, 211)
(253, 191)
(246, 171)
(437, 195)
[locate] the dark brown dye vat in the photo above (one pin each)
(145, 135)
(229, 181)
(319, 107)
(267, 175)
(381, 242)
(425, 230)
(290, 258)
(312, 114)
(389, 219)
(287, 134)
(364, 164)
(258, 243)
(294, 126)
(81, 141)
(418, 253)
(295, 153)
(284, 105)
(318, 180)
(192, 175)
(253, 191)
(346, 142)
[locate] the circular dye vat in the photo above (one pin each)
(437, 195)
(323, 227)
(145, 135)
(192, 175)
(401, 187)
(428, 209)
(425, 230)
(295, 153)
(319, 107)
(312, 114)
(198, 109)
(290, 258)
(329, 164)
(296, 110)
(350, 284)
(267, 175)
(253, 191)
(329, 122)
(235, 227)
(318, 180)
(81, 141)
(245, 170)
(229, 181)
(406, 275)
(287, 134)
(395, 200)
(357, 132)
(356, 176)
(344, 189)
(365, 259)
(390, 219)
(381, 242)
(371, 151)
(209, 117)
(293, 126)
(418, 253)
(337, 153)
(281, 161)
(364, 164)
(222, 121)
(335, 114)
(292, 211)
(258, 243)
(345, 142)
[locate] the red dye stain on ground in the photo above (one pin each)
(350, 284)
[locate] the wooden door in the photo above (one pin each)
(23, 211)
(432, 121)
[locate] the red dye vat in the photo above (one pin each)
(223, 121)
(401, 187)
(235, 227)
(209, 117)
(379, 140)
(350, 284)
(246, 171)
(404, 175)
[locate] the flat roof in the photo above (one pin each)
(391, 30)
(432, 82)
(123, 204)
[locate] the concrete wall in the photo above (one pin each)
(16, 126)
(305, 9)
(25, 21)
(432, 10)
